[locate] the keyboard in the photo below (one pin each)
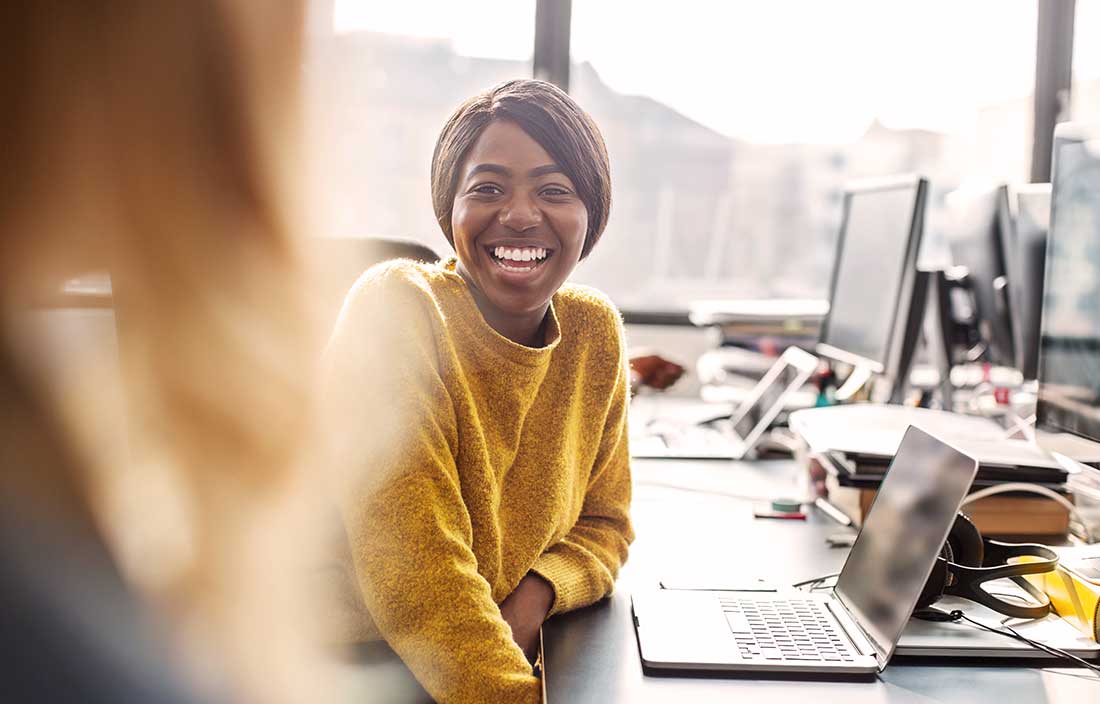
(799, 630)
(683, 440)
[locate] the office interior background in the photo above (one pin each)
(732, 127)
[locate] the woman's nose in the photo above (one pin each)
(520, 214)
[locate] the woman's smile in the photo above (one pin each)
(519, 258)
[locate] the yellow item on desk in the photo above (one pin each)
(1074, 589)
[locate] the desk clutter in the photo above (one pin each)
(847, 450)
(845, 453)
(850, 485)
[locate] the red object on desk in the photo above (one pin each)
(796, 516)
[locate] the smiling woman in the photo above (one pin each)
(518, 228)
(523, 170)
(502, 493)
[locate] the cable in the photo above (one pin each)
(1022, 425)
(815, 581)
(1010, 632)
(1033, 489)
(715, 419)
(703, 490)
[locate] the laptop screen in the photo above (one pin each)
(902, 536)
(769, 391)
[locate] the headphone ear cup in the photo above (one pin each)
(965, 541)
(937, 581)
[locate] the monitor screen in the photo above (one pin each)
(1027, 254)
(902, 535)
(877, 248)
(1069, 346)
(974, 232)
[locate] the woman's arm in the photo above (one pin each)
(582, 567)
(409, 530)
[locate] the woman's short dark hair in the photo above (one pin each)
(552, 119)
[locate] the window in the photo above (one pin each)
(382, 80)
(1085, 94)
(733, 127)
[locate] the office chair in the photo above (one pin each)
(339, 261)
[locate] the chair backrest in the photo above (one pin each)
(339, 261)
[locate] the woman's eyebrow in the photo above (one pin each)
(489, 168)
(545, 169)
(505, 171)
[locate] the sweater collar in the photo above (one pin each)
(484, 334)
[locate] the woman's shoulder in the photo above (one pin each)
(402, 279)
(397, 275)
(587, 308)
(393, 289)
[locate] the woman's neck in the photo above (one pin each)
(527, 329)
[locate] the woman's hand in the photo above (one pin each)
(654, 371)
(525, 609)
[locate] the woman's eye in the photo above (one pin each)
(487, 189)
(554, 191)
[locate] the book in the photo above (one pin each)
(1074, 588)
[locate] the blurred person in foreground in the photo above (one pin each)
(503, 494)
(159, 142)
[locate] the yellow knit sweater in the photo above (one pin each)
(480, 460)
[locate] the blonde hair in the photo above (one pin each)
(161, 141)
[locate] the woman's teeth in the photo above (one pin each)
(520, 254)
(527, 258)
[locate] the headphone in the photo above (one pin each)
(967, 561)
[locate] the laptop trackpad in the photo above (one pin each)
(682, 628)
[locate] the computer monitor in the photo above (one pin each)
(1026, 211)
(1069, 344)
(974, 225)
(874, 274)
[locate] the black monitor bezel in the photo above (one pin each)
(1046, 414)
(1025, 343)
(982, 225)
(890, 365)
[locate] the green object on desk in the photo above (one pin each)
(786, 506)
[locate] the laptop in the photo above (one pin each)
(853, 628)
(729, 438)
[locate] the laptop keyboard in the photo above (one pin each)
(687, 440)
(788, 629)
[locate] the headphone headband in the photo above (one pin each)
(967, 561)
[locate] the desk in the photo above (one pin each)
(689, 514)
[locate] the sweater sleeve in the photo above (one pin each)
(408, 527)
(583, 565)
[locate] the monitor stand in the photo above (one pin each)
(937, 331)
(928, 318)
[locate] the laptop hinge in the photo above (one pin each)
(863, 644)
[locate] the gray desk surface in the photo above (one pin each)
(694, 520)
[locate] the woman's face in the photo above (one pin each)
(517, 221)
